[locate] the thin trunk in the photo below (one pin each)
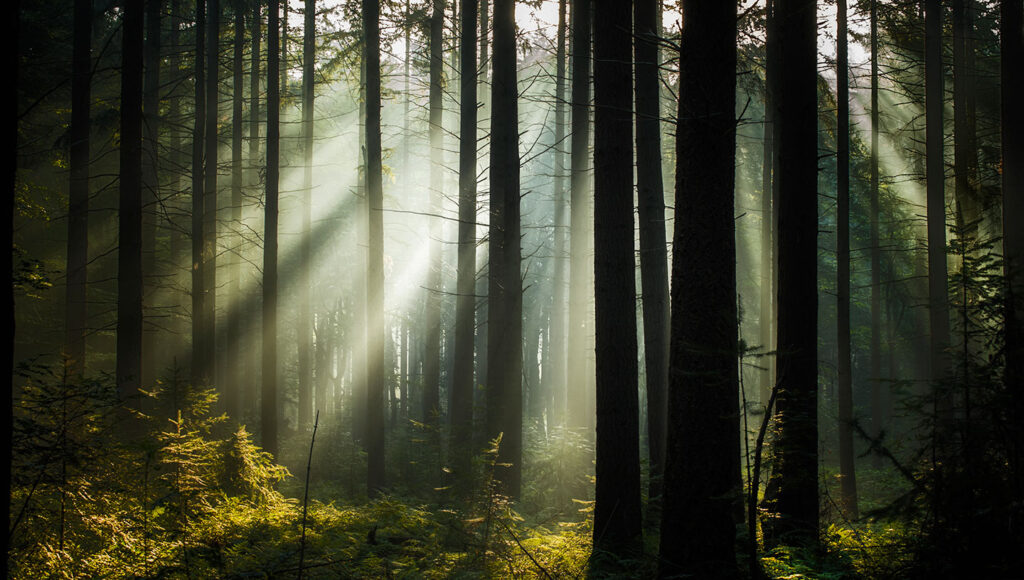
(210, 192)
(375, 266)
(269, 350)
(702, 470)
(432, 342)
(617, 493)
(768, 253)
(505, 296)
(150, 176)
(7, 217)
(78, 206)
(580, 216)
(305, 324)
(875, 348)
(254, 161)
(965, 140)
(232, 362)
(199, 350)
(129, 255)
(847, 472)
(461, 408)
(653, 250)
(556, 377)
(796, 448)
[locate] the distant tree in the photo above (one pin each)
(233, 365)
(875, 248)
(375, 266)
(200, 351)
(505, 295)
(796, 446)
(617, 531)
(847, 471)
(150, 177)
(461, 407)
(78, 193)
(305, 320)
(432, 310)
(210, 204)
(129, 254)
(268, 407)
(702, 467)
(965, 134)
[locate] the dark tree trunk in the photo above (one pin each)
(1012, 44)
(768, 186)
(653, 251)
(461, 408)
(129, 254)
(617, 493)
(796, 448)
(847, 472)
(232, 363)
(268, 401)
(305, 322)
(13, 58)
(255, 33)
(78, 206)
(875, 249)
(555, 377)
(702, 469)
(375, 266)
(150, 178)
(970, 205)
(199, 350)
(580, 217)
(505, 294)
(210, 191)
(432, 307)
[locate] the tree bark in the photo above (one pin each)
(556, 378)
(210, 201)
(199, 350)
(970, 204)
(305, 320)
(268, 415)
(875, 346)
(150, 177)
(233, 364)
(432, 307)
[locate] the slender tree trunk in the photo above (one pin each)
(305, 323)
(579, 203)
(702, 471)
(269, 350)
(768, 161)
(255, 34)
(653, 251)
(875, 347)
(375, 266)
(556, 377)
(847, 471)
(178, 241)
(970, 205)
(13, 58)
(505, 294)
(210, 192)
(461, 408)
(432, 342)
(129, 254)
(150, 177)
(78, 206)
(796, 447)
(617, 493)
(1012, 53)
(199, 349)
(232, 363)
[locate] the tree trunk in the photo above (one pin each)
(702, 470)
(653, 251)
(255, 33)
(796, 448)
(150, 177)
(847, 471)
(555, 378)
(875, 348)
(617, 493)
(505, 295)
(305, 322)
(375, 266)
(78, 206)
(129, 254)
(210, 193)
(970, 205)
(233, 364)
(199, 350)
(432, 342)
(269, 367)
(13, 59)
(580, 216)
(461, 408)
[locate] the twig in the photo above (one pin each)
(305, 495)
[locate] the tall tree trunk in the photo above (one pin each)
(129, 254)
(268, 401)
(150, 177)
(255, 34)
(702, 470)
(1012, 53)
(938, 301)
(555, 378)
(305, 322)
(7, 215)
(847, 471)
(617, 492)
(375, 266)
(875, 248)
(432, 309)
(78, 206)
(461, 407)
(210, 193)
(199, 348)
(232, 363)
(178, 239)
(768, 185)
(965, 141)
(796, 448)
(653, 251)
(580, 216)
(505, 294)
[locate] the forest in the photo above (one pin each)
(712, 289)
